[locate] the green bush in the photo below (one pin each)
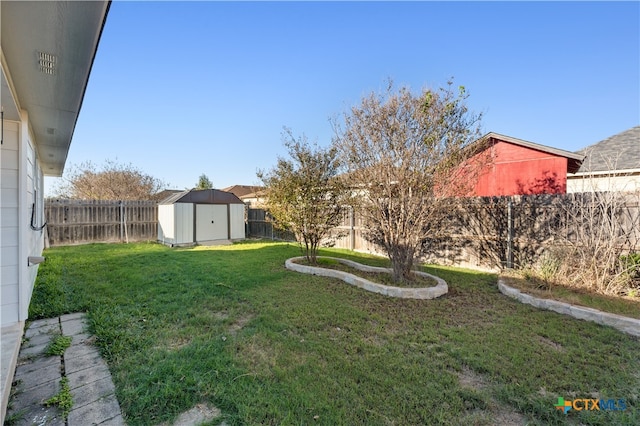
(631, 263)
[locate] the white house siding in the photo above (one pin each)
(21, 182)
(33, 239)
(237, 221)
(607, 181)
(21, 187)
(9, 223)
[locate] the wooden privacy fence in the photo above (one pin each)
(488, 232)
(87, 221)
(260, 225)
(498, 232)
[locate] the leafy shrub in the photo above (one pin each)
(631, 263)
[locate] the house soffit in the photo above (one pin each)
(48, 49)
(9, 107)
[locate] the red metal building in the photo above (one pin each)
(519, 167)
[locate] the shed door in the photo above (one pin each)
(211, 222)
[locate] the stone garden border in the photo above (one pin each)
(400, 292)
(625, 324)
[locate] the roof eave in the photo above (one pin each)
(532, 145)
(69, 32)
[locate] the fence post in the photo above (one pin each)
(124, 222)
(510, 232)
(352, 229)
(121, 228)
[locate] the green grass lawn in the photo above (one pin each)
(230, 326)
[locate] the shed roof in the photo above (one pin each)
(618, 152)
(202, 196)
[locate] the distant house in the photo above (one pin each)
(519, 167)
(610, 165)
(250, 195)
(47, 51)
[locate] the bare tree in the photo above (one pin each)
(112, 181)
(601, 233)
(303, 193)
(405, 154)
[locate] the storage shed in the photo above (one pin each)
(200, 216)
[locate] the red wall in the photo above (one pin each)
(520, 170)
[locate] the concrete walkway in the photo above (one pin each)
(37, 378)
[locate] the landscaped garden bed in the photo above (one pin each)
(231, 328)
(626, 306)
(385, 278)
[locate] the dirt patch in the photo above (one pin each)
(220, 315)
(174, 344)
(259, 354)
(375, 341)
(239, 324)
(507, 417)
(470, 379)
(178, 343)
(551, 344)
(495, 413)
(197, 415)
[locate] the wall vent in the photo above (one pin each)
(47, 63)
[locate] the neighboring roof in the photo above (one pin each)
(257, 194)
(242, 190)
(48, 49)
(202, 196)
(618, 152)
(575, 159)
(166, 193)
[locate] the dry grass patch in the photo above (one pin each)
(551, 344)
(493, 413)
(196, 416)
(259, 355)
(470, 379)
(239, 323)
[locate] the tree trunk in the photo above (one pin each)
(402, 262)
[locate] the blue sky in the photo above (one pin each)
(184, 88)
